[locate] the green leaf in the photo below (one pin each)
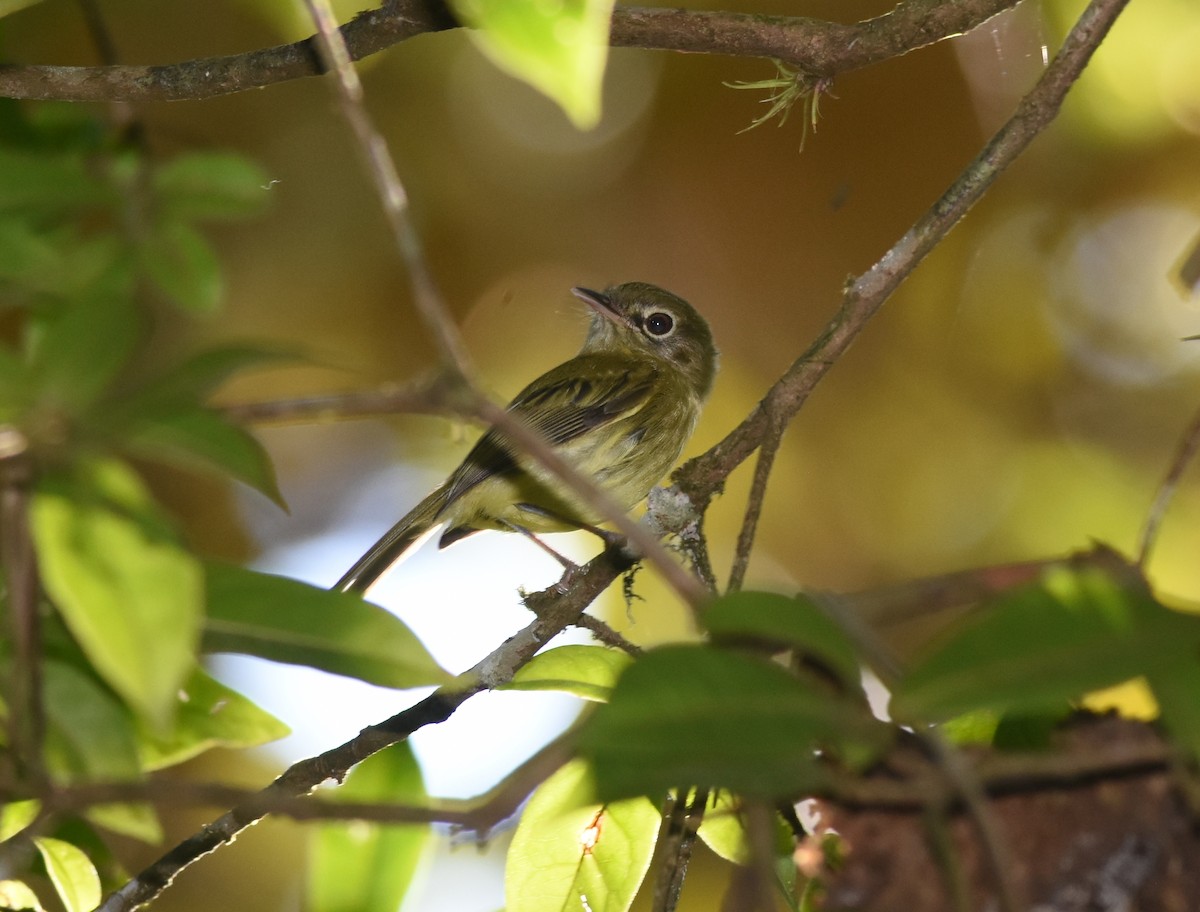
(90, 733)
(570, 852)
(17, 896)
(72, 873)
(181, 263)
(79, 350)
(288, 621)
(559, 48)
(210, 185)
(977, 727)
(16, 815)
(198, 438)
(360, 867)
(722, 829)
(210, 715)
(1077, 629)
(50, 183)
(131, 596)
(794, 622)
(136, 821)
(25, 253)
(1174, 678)
(193, 380)
(15, 386)
(589, 672)
(52, 262)
(694, 715)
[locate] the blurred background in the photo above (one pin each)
(1020, 396)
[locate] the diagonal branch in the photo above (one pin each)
(702, 477)
(335, 55)
(555, 607)
(819, 47)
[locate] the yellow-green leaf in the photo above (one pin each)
(569, 852)
(557, 46)
(361, 867)
(72, 873)
(286, 620)
(137, 821)
(131, 596)
(210, 715)
(589, 672)
(17, 815)
(17, 896)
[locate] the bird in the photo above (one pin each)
(620, 411)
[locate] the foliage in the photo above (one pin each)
(558, 48)
(97, 236)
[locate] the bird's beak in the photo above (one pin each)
(600, 303)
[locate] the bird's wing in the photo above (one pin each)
(578, 396)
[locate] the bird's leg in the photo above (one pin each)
(610, 538)
(565, 562)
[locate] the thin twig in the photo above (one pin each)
(754, 504)
(440, 397)
(1189, 444)
(606, 635)
(389, 399)
(479, 814)
(378, 161)
(26, 721)
(1129, 749)
(819, 47)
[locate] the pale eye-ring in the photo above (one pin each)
(659, 323)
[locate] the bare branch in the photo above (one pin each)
(389, 399)
(378, 161)
(815, 46)
(18, 561)
(210, 77)
(1109, 748)
(754, 504)
(1189, 445)
(606, 635)
(479, 814)
(703, 476)
(824, 48)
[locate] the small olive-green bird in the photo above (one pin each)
(620, 411)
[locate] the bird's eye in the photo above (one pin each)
(659, 323)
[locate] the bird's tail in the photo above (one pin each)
(393, 546)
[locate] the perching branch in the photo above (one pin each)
(556, 607)
(822, 48)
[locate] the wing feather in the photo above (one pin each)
(578, 396)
